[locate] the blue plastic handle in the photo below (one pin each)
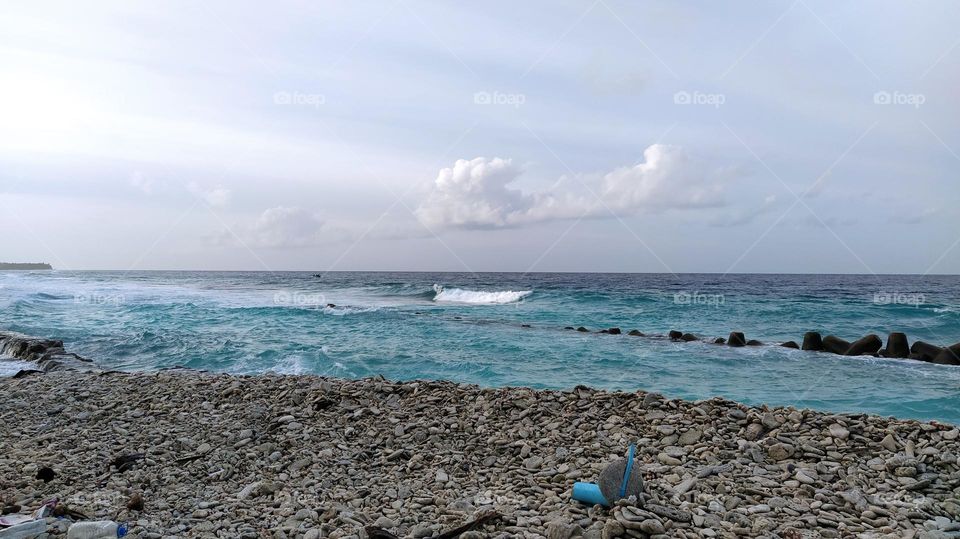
(627, 470)
(589, 493)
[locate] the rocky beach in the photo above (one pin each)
(182, 453)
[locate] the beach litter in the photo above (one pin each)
(97, 529)
(619, 480)
(24, 526)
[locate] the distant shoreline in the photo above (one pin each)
(21, 266)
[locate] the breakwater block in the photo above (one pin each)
(866, 346)
(835, 345)
(897, 346)
(924, 351)
(812, 341)
(949, 355)
(736, 338)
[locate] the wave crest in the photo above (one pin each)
(478, 297)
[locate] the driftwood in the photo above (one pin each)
(189, 458)
(375, 532)
(480, 520)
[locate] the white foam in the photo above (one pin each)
(291, 364)
(348, 309)
(478, 297)
(9, 367)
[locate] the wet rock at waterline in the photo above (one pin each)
(949, 355)
(736, 338)
(924, 351)
(835, 345)
(812, 341)
(897, 346)
(48, 354)
(868, 345)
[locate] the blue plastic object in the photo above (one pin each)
(589, 493)
(627, 470)
(122, 530)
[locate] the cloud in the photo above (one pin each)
(284, 226)
(217, 197)
(668, 178)
(477, 194)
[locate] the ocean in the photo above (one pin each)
(508, 329)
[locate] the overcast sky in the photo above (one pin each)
(607, 135)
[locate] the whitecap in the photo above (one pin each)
(343, 310)
(478, 297)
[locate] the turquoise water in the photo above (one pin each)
(469, 328)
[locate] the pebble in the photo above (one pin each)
(312, 457)
(839, 432)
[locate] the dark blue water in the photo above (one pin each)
(469, 328)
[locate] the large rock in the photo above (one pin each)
(635, 333)
(866, 346)
(614, 331)
(924, 351)
(48, 354)
(949, 355)
(736, 338)
(835, 345)
(611, 479)
(675, 335)
(812, 341)
(688, 337)
(790, 344)
(897, 346)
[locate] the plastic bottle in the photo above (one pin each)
(24, 530)
(98, 529)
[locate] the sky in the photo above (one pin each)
(796, 136)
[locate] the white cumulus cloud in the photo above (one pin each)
(217, 197)
(284, 226)
(475, 194)
(668, 178)
(478, 193)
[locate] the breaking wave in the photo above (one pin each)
(478, 297)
